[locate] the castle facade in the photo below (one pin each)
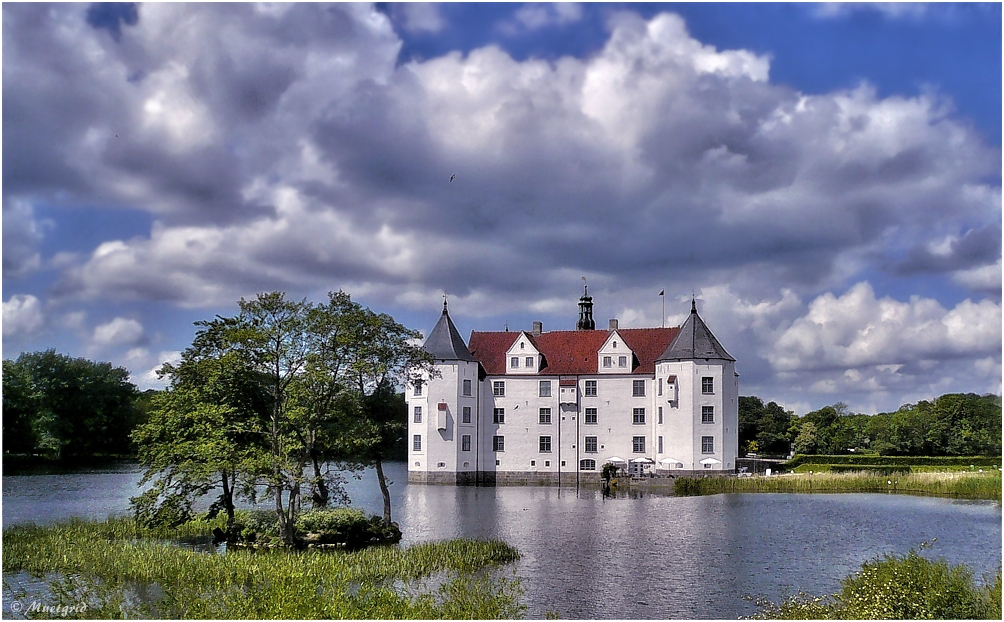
(553, 407)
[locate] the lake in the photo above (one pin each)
(630, 556)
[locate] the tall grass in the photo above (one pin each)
(118, 570)
(963, 485)
(898, 588)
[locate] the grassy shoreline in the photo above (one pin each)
(961, 485)
(118, 569)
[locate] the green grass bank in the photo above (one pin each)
(119, 569)
(906, 587)
(958, 484)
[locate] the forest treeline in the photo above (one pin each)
(955, 424)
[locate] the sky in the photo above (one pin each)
(824, 178)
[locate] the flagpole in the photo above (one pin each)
(663, 295)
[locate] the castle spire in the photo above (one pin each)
(585, 309)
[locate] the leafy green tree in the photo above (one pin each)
(807, 441)
(201, 432)
(765, 424)
(366, 354)
(76, 407)
(20, 406)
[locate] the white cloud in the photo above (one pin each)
(419, 17)
(986, 278)
(893, 10)
(22, 316)
(858, 330)
(120, 331)
(21, 234)
(148, 379)
(536, 16)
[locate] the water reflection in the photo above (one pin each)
(632, 554)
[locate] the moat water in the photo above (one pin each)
(642, 555)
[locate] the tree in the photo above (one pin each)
(366, 354)
(806, 442)
(20, 405)
(766, 425)
(76, 407)
(202, 431)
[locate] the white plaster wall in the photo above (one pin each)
(522, 428)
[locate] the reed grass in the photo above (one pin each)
(962, 485)
(121, 570)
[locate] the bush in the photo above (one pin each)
(261, 526)
(899, 587)
(345, 527)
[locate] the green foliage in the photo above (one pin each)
(963, 485)
(907, 587)
(765, 425)
(609, 471)
(346, 527)
(109, 564)
(951, 425)
(66, 407)
(893, 461)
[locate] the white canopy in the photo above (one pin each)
(670, 461)
(644, 460)
(711, 461)
(616, 459)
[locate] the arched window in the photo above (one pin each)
(587, 465)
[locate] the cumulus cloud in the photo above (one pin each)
(535, 16)
(860, 330)
(284, 147)
(22, 316)
(21, 235)
(118, 332)
(418, 17)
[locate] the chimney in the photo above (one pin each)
(538, 327)
(613, 323)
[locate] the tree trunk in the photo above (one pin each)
(385, 491)
(320, 496)
(228, 501)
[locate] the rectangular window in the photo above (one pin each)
(587, 465)
(638, 416)
(707, 385)
(607, 361)
(416, 443)
(514, 361)
(659, 384)
(466, 415)
(545, 444)
(498, 388)
(660, 414)
(467, 388)
(707, 414)
(638, 388)
(498, 443)
(418, 414)
(660, 444)
(590, 415)
(499, 415)
(545, 415)
(465, 442)
(622, 361)
(418, 388)
(590, 388)
(591, 444)
(529, 362)
(638, 444)
(707, 444)
(545, 388)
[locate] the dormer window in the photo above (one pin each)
(608, 361)
(622, 361)
(615, 344)
(514, 361)
(521, 345)
(529, 362)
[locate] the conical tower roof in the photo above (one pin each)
(445, 343)
(694, 341)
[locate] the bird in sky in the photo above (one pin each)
(452, 177)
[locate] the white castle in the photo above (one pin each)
(554, 407)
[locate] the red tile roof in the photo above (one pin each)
(571, 352)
